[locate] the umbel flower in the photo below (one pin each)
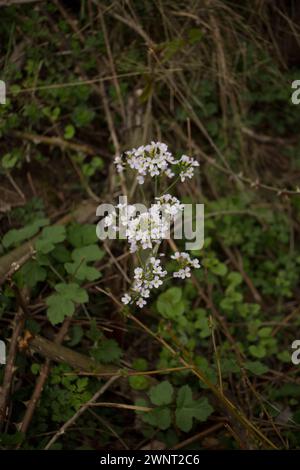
(147, 230)
(155, 160)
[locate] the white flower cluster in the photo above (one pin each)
(186, 263)
(145, 280)
(148, 228)
(187, 167)
(154, 159)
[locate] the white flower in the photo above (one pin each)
(140, 179)
(187, 165)
(119, 163)
(141, 302)
(152, 159)
(196, 263)
(126, 299)
(186, 263)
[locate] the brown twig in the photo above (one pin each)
(10, 368)
(81, 410)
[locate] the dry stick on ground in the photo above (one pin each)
(5, 390)
(41, 381)
(7, 3)
(57, 142)
(58, 353)
(198, 436)
(81, 410)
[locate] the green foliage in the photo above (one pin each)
(161, 394)
(62, 303)
(16, 236)
(50, 237)
(183, 410)
(170, 303)
(188, 408)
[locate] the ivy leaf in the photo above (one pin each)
(88, 253)
(59, 307)
(188, 408)
(161, 394)
(170, 303)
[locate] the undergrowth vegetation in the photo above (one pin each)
(206, 363)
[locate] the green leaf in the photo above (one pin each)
(50, 236)
(140, 364)
(76, 335)
(161, 394)
(108, 351)
(62, 303)
(9, 160)
(159, 417)
(59, 307)
(258, 350)
(32, 273)
(61, 254)
(73, 292)
(188, 408)
(81, 271)
(256, 367)
(195, 35)
(202, 322)
(16, 236)
(69, 132)
(139, 382)
(170, 303)
(82, 235)
(88, 253)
